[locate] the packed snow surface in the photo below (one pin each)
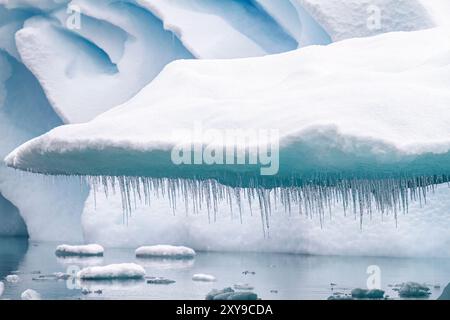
(203, 277)
(30, 294)
(370, 106)
(165, 251)
(84, 250)
(113, 271)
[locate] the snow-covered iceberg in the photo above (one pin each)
(83, 250)
(362, 115)
(165, 251)
(114, 271)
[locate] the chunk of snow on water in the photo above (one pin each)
(83, 250)
(243, 286)
(13, 278)
(203, 277)
(165, 251)
(30, 294)
(113, 271)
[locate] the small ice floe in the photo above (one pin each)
(61, 276)
(2, 288)
(12, 278)
(230, 294)
(203, 277)
(89, 250)
(157, 280)
(122, 271)
(30, 295)
(52, 277)
(165, 251)
(413, 290)
(367, 294)
(243, 286)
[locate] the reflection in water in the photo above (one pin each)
(161, 263)
(273, 276)
(82, 262)
(124, 284)
(12, 252)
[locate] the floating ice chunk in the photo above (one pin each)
(414, 290)
(84, 250)
(203, 277)
(2, 288)
(165, 251)
(13, 278)
(243, 286)
(30, 295)
(113, 271)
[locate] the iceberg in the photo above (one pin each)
(165, 251)
(122, 271)
(12, 278)
(84, 250)
(396, 151)
(203, 277)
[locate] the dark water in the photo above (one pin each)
(277, 276)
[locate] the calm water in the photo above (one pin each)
(277, 276)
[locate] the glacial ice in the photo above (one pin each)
(104, 44)
(165, 251)
(83, 250)
(12, 223)
(221, 29)
(2, 288)
(114, 271)
(422, 232)
(396, 151)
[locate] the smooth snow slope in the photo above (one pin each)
(366, 107)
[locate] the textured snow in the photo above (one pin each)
(165, 251)
(30, 294)
(344, 19)
(83, 250)
(113, 271)
(203, 277)
(395, 84)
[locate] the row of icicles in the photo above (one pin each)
(314, 199)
